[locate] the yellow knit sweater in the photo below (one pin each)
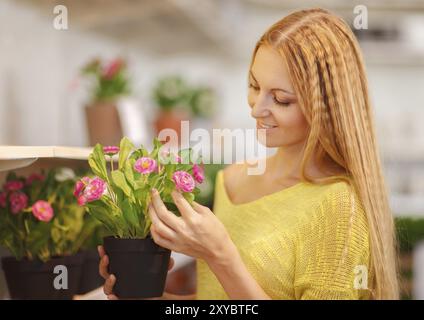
(306, 241)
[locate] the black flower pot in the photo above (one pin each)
(90, 278)
(28, 279)
(139, 265)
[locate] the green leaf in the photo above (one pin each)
(157, 145)
(129, 172)
(55, 234)
(103, 213)
(196, 191)
(142, 196)
(189, 197)
(97, 162)
(125, 148)
(137, 154)
(184, 167)
(130, 214)
(119, 180)
(186, 155)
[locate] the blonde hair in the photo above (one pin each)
(328, 75)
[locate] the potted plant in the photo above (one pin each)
(110, 82)
(178, 100)
(39, 224)
(91, 235)
(120, 197)
(171, 95)
(203, 102)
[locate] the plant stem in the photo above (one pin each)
(111, 163)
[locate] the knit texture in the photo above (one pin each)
(306, 241)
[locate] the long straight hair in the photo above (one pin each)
(327, 70)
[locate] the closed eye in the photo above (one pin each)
(252, 86)
(281, 103)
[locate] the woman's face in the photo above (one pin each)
(273, 102)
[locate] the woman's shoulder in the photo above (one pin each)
(233, 174)
(233, 169)
(340, 205)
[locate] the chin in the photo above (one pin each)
(271, 143)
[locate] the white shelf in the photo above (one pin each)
(14, 157)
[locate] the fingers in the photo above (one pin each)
(104, 262)
(166, 217)
(171, 263)
(160, 226)
(108, 286)
(112, 297)
(182, 204)
(157, 202)
(101, 251)
(199, 208)
(161, 241)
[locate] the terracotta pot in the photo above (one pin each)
(104, 125)
(171, 119)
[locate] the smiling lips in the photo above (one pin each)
(262, 125)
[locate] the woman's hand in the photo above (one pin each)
(197, 233)
(110, 278)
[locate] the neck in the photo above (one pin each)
(285, 164)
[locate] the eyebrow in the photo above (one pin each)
(274, 89)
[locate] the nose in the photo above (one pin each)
(260, 107)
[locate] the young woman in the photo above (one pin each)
(316, 224)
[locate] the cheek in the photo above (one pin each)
(292, 121)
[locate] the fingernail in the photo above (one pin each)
(153, 190)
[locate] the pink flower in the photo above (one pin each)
(113, 68)
(82, 200)
(145, 165)
(183, 181)
(80, 185)
(34, 177)
(95, 189)
(87, 190)
(110, 150)
(14, 185)
(198, 173)
(3, 199)
(42, 210)
(18, 201)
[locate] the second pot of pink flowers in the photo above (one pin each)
(119, 198)
(40, 224)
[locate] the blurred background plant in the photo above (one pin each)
(178, 100)
(110, 80)
(410, 232)
(52, 230)
(109, 83)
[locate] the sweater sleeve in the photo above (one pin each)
(332, 256)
